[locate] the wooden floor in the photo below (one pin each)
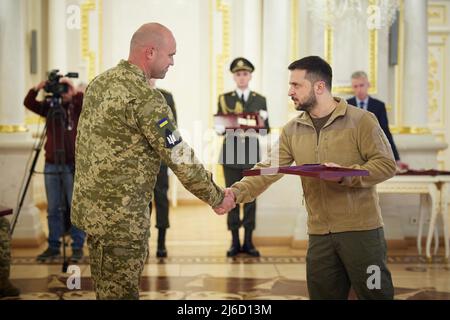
(197, 268)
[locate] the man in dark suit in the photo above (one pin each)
(161, 188)
(360, 86)
(246, 150)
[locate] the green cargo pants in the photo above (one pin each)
(337, 261)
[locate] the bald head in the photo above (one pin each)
(152, 48)
(152, 34)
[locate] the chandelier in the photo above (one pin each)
(376, 14)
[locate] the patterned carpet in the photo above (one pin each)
(207, 287)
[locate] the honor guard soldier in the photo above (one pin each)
(246, 150)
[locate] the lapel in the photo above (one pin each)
(369, 104)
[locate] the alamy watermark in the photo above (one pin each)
(374, 280)
(74, 280)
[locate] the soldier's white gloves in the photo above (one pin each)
(220, 130)
(263, 114)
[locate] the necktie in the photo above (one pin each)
(361, 104)
(242, 100)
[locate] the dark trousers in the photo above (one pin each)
(337, 261)
(233, 175)
(161, 200)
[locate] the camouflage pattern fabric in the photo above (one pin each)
(125, 130)
(116, 267)
(5, 251)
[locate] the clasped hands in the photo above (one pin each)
(228, 203)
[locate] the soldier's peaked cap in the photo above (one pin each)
(240, 63)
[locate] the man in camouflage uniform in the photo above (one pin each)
(125, 130)
(6, 287)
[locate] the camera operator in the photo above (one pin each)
(59, 133)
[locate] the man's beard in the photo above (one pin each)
(308, 104)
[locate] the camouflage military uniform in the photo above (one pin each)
(125, 130)
(6, 287)
(5, 251)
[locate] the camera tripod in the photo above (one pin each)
(57, 117)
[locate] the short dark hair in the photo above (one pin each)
(316, 68)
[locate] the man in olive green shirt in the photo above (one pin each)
(125, 130)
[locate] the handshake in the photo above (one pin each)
(228, 203)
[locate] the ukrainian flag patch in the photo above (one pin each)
(168, 132)
(162, 123)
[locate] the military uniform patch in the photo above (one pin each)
(169, 133)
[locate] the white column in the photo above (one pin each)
(415, 86)
(246, 36)
(280, 217)
(12, 62)
(276, 17)
(15, 146)
(57, 53)
(419, 150)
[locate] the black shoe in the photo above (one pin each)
(161, 253)
(77, 255)
(48, 254)
(233, 251)
(250, 250)
(8, 290)
(235, 244)
(248, 246)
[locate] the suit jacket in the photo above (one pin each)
(230, 103)
(378, 108)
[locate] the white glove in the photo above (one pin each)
(220, 130)
(263, 114)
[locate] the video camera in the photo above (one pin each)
(55, 87)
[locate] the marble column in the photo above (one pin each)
(57, 44)
(276, 26)
(15, 141)
(416, 146)
(281, 218)
(246, 36)
(415, 86)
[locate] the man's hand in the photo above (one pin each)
(228, 203)
(402, 166)
(40, 85)
(333, 165)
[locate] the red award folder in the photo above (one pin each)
(250, 120)
(431, 172)
(5, 211)
(309, 170)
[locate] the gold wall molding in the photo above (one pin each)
(399, 68)
(436, 84)
(217, 63)
(295, 26)
(410, 130)
(12, 128)
(437, 14)
(94, 60)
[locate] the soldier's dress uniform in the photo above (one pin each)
(245, 156)
(161, 188)
(125, 130)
